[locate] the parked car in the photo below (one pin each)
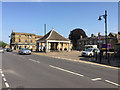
(1, 50)
(9, 50)
(90, 52)
(4, 49)
(24, 51)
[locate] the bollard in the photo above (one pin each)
(100, 57)
(96, 56)
(108, 58)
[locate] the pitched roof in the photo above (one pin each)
(53, 35)
(113, 34)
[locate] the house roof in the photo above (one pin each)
(53, 35)
(20, 33)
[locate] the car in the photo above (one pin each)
(9, 50)
(4, 49)
(24, 51)
(90, 52)
(1, 50)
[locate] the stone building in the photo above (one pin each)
(53, 41)
(75, 35)
(112, 39)
(23, 40)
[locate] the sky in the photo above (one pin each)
(30, 17)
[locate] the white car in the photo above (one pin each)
(24, 51)
(1, 50)
(90, 52)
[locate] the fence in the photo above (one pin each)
(112, 59)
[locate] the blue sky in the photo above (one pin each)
(30, 17)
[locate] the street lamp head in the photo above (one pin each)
(100, 18)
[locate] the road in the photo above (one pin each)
(35, 71)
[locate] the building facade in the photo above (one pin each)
(23, 40)
(53, 41)
(112, 39)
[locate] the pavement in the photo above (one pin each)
(37, 71)
(76, 57)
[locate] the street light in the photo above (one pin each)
(105, 17)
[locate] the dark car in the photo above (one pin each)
(9, 50)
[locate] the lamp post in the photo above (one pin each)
(105, 17)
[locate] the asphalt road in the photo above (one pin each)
(35, 71)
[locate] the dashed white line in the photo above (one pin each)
(7, 85)
(34, 60)
(96, 79)
(112, 82)
(4, 79)
(1, 72)
(2, 75)
(67, 71)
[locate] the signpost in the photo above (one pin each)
(99, 37)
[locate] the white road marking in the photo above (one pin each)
(14, 54)
(1, 72)
(67, 71)
(2, 75)
(96, 79)
(112, 82)
(34, 60)
(7, 85)
(4, 79)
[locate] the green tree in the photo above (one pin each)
(2, 44)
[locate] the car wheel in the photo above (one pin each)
(90, 55)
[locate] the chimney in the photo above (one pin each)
(92, 35)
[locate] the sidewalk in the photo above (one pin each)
(76, 56)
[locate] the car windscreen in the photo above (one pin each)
(88, 50)
(25, 49)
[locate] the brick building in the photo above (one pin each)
(112, 39)
(23, 40)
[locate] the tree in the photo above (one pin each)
(2, 44)
(75, 35)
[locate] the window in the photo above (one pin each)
(26, 36)
(25, 40)
(79, 42)
(90, 42)
(31, 41)
(30, 36)
(95, 42)
(19, 40)
(83, 42)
